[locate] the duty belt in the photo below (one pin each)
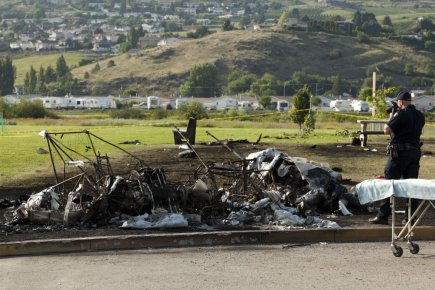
(406, 146)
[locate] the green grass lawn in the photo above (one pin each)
(19, 143)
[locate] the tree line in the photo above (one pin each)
(7, 76)
(49, 80)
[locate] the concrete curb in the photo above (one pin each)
(203, 239)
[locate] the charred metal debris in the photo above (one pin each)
(266, 188)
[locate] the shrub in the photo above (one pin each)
(193, 109)
(158, 114)
(111, 63)
(127, 114)
(85, 61)
(335, 53)
(30, 109)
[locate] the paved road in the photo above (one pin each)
(310, 266)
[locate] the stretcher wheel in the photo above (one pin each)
(397, 251)
(413, 248)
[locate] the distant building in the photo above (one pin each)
(424, 103)
(360, 106)
(153, 102)
(279, 104)
(83, 102)
(167, 41)
(341, 105)
(245, 106)
(203, 21)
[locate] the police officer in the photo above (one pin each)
(405, 127)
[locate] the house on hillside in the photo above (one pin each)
(167, 41)
(279, 104)
(203, 21)
(225, 103)
(44, 45)
(424, 103)
(153, 102)
(245, 106)
(254, 101)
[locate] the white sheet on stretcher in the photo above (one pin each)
(376, 189)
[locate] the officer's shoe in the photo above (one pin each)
(378, 221)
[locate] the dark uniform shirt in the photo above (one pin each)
(406, 126)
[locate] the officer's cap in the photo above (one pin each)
(404, 96)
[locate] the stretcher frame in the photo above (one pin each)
(423, 190)
(406, 232)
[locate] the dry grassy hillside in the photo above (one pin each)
(162, 69)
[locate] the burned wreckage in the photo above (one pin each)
(265, 188)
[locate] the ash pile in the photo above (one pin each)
(265, 189)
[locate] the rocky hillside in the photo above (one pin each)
(161, 70)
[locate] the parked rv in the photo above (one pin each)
(341, 105)
(360, 106)
(245, 106)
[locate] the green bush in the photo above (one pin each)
(193, 109)
(158, 114)
(85, 61)
(127, 114)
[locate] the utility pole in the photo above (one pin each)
(374, 94)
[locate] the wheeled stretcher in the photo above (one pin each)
(423, 189)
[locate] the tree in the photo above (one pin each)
(429, 45)
(337, 86)
(265, 101)
(62, 69)
(316, 101)
(265, 86)
(426, 24)
(409, 69)
(123, 7)
(199, 32)
(30, 81)
(38, 11)
(7, 76)
(378, 102)
(40, 85)
(362, 37)
(193, 109)
(364, 94)
(96, 68)
(295, 13)
(111, 63)
(50, 75)
(202, 81)
(227, 26)
(239, 82)
(132, 38)
(171, 26)
(245, 20)
(366, 22)
(301, 104)
(387, 21)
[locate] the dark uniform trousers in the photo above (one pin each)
(405, 166)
